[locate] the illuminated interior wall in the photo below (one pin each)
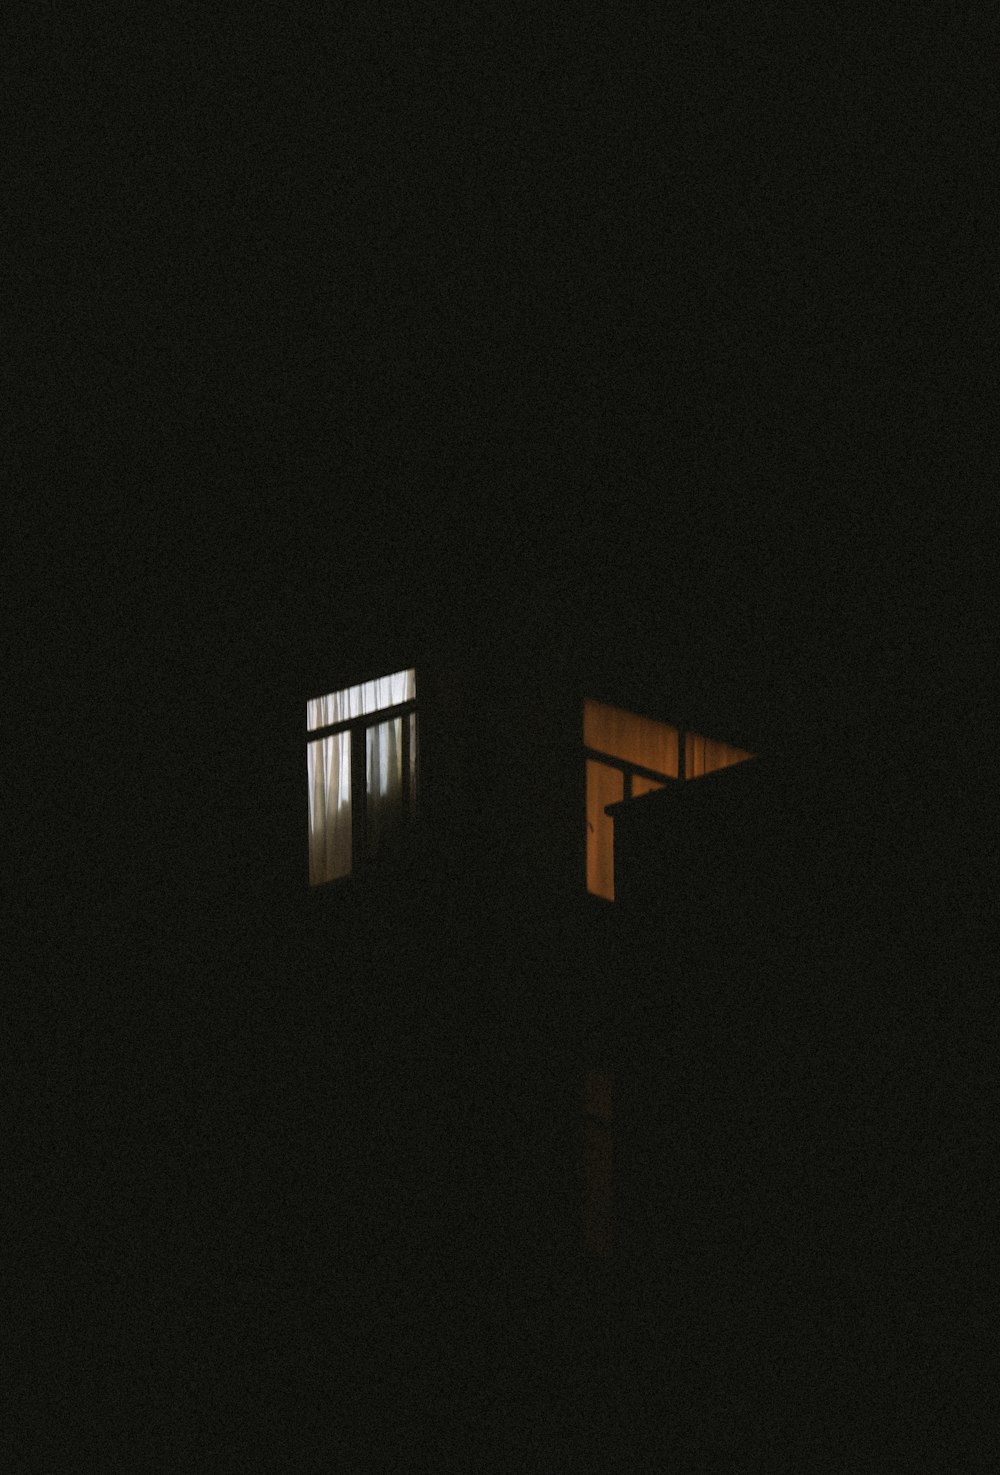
(704, 755)
(637, 740)
(605, 785)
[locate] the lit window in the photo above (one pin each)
(361, 760)
(628, 755)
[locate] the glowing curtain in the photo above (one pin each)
(384, 780)
(329, 769)
(361, 701)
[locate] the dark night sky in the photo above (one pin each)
(687, 309)
(507, 291)
(683, 313)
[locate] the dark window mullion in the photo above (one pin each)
(405, 724)
(370, 719)
(626, 767)
(359, 795)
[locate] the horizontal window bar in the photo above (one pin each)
(362, 700)
(625, 767)
(359, 723)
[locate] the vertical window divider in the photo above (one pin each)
(405, 725)
(359, 793)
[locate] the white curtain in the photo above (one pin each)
(384, 779)
(329, 771)
(329, 763)
(361, 701)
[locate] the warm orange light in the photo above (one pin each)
(634, 739)
(605, 785)
(638, 742)
(705, 755)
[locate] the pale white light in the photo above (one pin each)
(361, 700)
(329, 768)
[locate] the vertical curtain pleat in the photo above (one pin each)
(384, 778)
(330, 776)
(329, 766)
(361, 701)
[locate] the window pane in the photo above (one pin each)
(635, 739)
(384, 780)
(361, 701)
(329, 771)
(704, 755)
(604, 786)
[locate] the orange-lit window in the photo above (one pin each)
(626, 755)
(638, 741)
(629, 755)
(361, 762)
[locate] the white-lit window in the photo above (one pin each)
(361, 759)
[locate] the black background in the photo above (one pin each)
(500, 325)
